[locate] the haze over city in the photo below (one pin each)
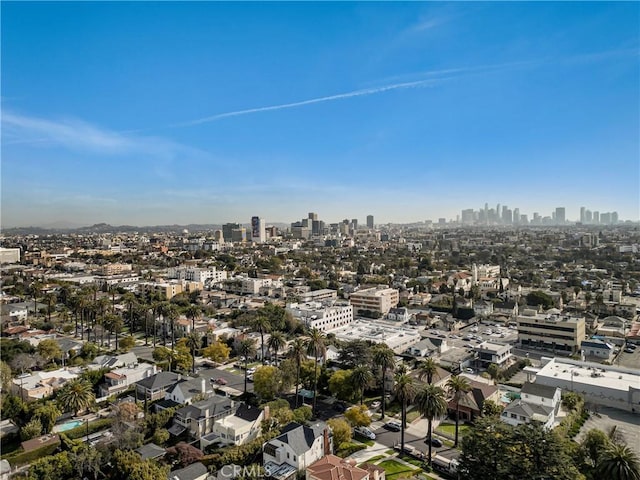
(162, 113)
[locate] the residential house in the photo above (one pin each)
(332, 467)
(398, 314)
(597, 349)
(241, 427)
(150, 451)
(120, 379)
(113, 361)
(483, 309)
(427, 347)
(195, 471)
(296, 448)
(539, 403)
(471, 402)
(508, 308)
(186, 391)
(199, 417)
(38, 385)
(155, 387)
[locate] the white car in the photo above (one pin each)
(375, 404)
(365, 432)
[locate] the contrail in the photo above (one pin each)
(355, 93)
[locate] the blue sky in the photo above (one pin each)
(156, 113)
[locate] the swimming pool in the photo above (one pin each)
(68, 426)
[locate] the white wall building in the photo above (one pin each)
(195, 274)
(380, 299)
(322, 316)
(9, 255)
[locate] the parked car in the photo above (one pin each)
(434, 442)
(365, 432)
(393, 425)
(339, 407)
(220, 381)
(375, 404)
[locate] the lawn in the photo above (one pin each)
(390, 452)
(374, 459)
(412, 415)
(450, 429)
(395, 470)
(359, 438)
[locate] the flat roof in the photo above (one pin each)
(594, 374)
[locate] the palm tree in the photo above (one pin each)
(458, 386)
(51, 299)
(618, 462)
(130, 300)
(75, 396)
(431, 402)
(317, 348)
(194, 341)
(405, 391)
(276, 343)
(262, 324)
(383, 358)
(298, 354)
(246, 349)
(361, 378)
(428, 370)
(193, 312)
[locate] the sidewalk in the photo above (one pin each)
(373, 451)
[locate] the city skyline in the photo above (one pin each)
(198, 113)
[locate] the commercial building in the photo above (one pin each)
(227, 231)
(558, 333)
(369, 221)
(258, 232)
(599, 384)
(115, 269)
(9, 255)
(195, 274)
(380, 299)
(324, 317)
(489, 353)
(397, 337)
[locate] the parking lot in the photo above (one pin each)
(627, 425)
(629, 360)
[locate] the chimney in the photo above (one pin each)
(327, 445)
(203, 385)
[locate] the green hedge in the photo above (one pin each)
(22, 458)
(94, 427)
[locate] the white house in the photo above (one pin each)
(186, 392)
(296, 448)
(241, 427)
(489, 353)
(536, 403)
(323, 316)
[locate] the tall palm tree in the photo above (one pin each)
(361, 378)
(405, 391)
(431, 402)
(51, 298)
(130, 300)
(194, 341)
(316, 347)
(74, 305)
(276, 343)
(193, 312)
(458, 386)
(298, 353)
(75, 396)
(246, 349)
(262, 324)
(618, 462)
(383, 358)
(428, 370)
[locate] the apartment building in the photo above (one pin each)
(559, 333)
(379, 299)
(168, 290)
(324, 317)
(114, 269)
(195, 274)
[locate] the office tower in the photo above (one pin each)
(516, 216)
(313, 216)
(583, 216)
(227, 231)
(317, 227)
(596, 218)
(560, 215)
(258, 232)
(503, 217)
(524, 220)
(354, 222)
(614, 217)
(442, 221)
(369, 221)
(218, 236)
(605, 218)
(467, 216)
(239, 235)
(306, 222)
(536, 218)
(588, 216)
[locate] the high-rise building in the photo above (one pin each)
(614, 218)
(467, 216)
(354, 223)
(596, 218)
(313, 216)
(258, 232)
(605, 218)
(583, 216)
(369, 221)
(516, 215)
(588, 216)
(227, 231)
(560, 215)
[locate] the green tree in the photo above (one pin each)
(128, 464)
(384, 359)
(405, 392)
(493, 371)
(361, 379)
(341, 431)
(194, 341)
(88, 461)
(127, 343)
(428, 370)
(261, 324)
(491, 408)
(317, 349)
(302, 414)
(50, 350)
(31, 429)
(52, 467)
(276, 343)
(358, 416)
(538, 297)
(161, 436)
(5, 376)
(246, 349)
(340, 385)
(217, 352)
(618, 462)
(75, 396)
(593, 445)
(431, 403)
(47, 413)
(458, 386)
(267, 382)
(298, 354)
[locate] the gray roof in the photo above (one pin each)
(192, 386)
(193, 471)
(150, 450)
(528, 410)
(300, 437)
(159, 380)
(248, 413)
(538, 390)
(215, 404)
